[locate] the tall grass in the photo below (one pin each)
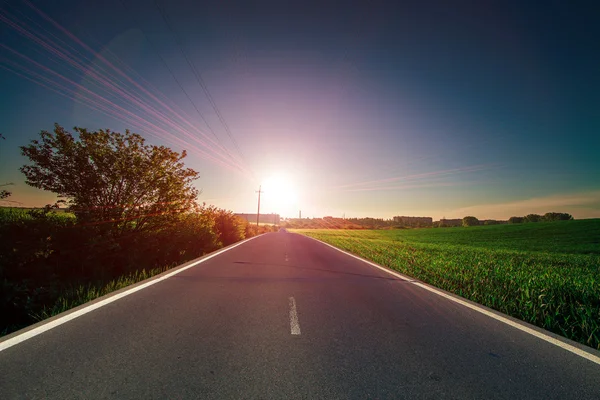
(558, 291)
(77, 296)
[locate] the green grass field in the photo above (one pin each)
(547, 274)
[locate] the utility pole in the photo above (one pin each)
(258, 213)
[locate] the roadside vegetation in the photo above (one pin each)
(547, 274)
(129, 211)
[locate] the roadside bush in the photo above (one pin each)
(229, 228)
(27, 242)
(134, 208)
(45, 255)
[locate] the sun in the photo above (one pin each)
(279, 195)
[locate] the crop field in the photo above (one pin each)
(547, 274)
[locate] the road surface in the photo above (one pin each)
(285, 317)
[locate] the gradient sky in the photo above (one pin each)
(440, 109)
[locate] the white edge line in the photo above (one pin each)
(294, 323)
(72, 315)
(478, 308)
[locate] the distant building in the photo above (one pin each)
(273, 219)
(450, 222)
(414, 222)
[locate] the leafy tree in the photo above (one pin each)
(111, 178)
(515, 220)
(470, 221)
(532, 218)
(554, 216)
(4, 193)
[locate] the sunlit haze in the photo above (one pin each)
(373, 110)
(279, 195)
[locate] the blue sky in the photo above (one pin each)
(487, 108)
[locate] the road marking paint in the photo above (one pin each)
(72, 315)
(286, 257)
(294, 324)
(518, 325)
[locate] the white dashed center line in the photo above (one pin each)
(294, 324)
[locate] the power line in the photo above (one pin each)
(200, 81)
(114, 86)
(164, 62)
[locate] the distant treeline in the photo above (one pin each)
(412, 222)
(548, 217)
(357, 223)
(338, 223)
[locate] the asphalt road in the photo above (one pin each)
(283, 317)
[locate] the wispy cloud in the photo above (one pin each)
(412, 186)
(381, 184)
(580, 205)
